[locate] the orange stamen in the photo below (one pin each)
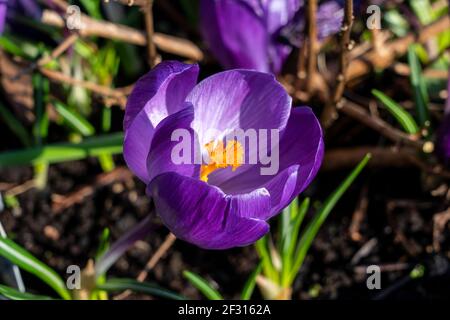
(230, 156)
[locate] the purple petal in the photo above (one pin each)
(156, 95)
(139, 232)
(203, 215)
(301, 153)
(30, 8)
(235, 34)
(280, 12)
(3, 10)
(160, 158)
(329, 19)
(239, 99)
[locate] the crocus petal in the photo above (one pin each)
(3, 10)
(30, 8)
(280, 12)
(203, 215)
(160, 158)
(236, 35)
(239, 99)
(329, 19)
(301, 152)
(156, 95)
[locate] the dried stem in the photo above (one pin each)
(312, 45)
(168, 242)
(103, 91)
(364, 64)
(59, 50)
(104, 29)
(359, 113)
(330, 113)
(151, 48)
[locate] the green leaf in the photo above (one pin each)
(104, 243)
(93, 8)
(202, 285)
(15, 126)
(402, 116)
(113, 285)
(423, 10)
(106, 119)
(40, 94)
(263, 251)
(54, 153)
(75, 120)
(288, 256)
(419, 86)
(14, 294)
(23, 259)
(250, 283)
(313, 227)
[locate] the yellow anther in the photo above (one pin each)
(219, 157)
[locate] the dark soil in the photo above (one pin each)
(402, 235)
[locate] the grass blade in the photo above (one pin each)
(15, 126)
(419, 86)
(24, 260)
(402, 116)
(314, 226)
(288, 256)
(54, 153)
(14, 294)
(263, 251)
(202, 285)
(74, 120)
(113, 285)
(249, 286)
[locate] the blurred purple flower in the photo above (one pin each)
(227, 207)
(259, 34)
(9, 8)
(443, 134)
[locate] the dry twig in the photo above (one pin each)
(109, 30)
(312, 45)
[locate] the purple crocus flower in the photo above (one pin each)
(259, 34)
(212, 206)
(9, 8)
(443, 134)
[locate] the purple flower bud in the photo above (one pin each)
(10, 8)
(259, 34)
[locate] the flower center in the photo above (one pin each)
(220, 156)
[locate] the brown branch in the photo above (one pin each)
(330, 113)
(59, 50)
(346, 46)
(168, 242)
(103, 91)
(104, 29)
(312, 45)
(382, 157)
(62, 202)
(359, 113)
(364, 64)
(151, 48)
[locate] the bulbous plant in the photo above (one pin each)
(218, 205)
